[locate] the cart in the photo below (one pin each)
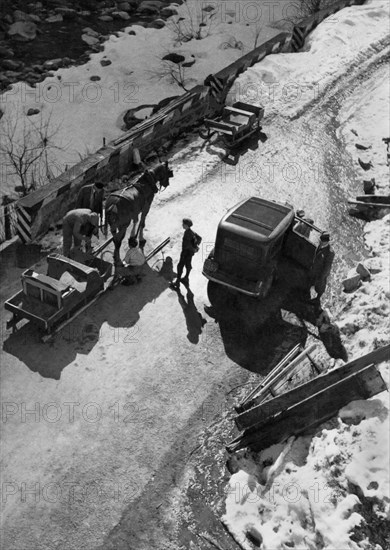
(236, 123)
(69, 287)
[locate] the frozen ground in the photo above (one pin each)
(147, 357)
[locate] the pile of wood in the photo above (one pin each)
(270, 414)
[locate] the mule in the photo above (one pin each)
(128, 204)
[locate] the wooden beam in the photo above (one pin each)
(313, 411)
(264, 411)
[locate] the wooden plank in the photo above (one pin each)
(369, 204)
(262, 412)
(313, 411)
(247, 402)
(288, 368)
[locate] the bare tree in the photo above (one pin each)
(196, 22)
(27, 148)
(175, 73)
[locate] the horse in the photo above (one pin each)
(125, 206)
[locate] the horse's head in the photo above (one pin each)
(163, 172)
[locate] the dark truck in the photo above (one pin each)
(257, 241)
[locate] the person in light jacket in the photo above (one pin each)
(78, 226)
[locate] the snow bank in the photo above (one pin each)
(287, 83)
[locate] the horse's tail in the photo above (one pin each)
(111, 217)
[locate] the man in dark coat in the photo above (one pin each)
(91, 196)
(187, 251)
(322, 265)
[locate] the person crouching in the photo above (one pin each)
(133, 269)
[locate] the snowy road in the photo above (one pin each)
(98, 425)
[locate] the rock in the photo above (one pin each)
(157, 24)
(106, 18)
(4, 81)
(369, 186)
(66, 61)
(67, 13)
(352, 282)
(362, 147)
(150, 7)
(124, 6)
(52, 64)
(10, 64)
(121, 15)
(84, 13)
(365, 165)
(23, 31)
(188, 63)
(174, 57)
(375, 265)
(35, 18)
(168, 12)
(91, 32)
(94, 78)
(363, 271)
(6, 52)
(31, 112)
(254, 536)
(38, 68)
(21, 16)
(54, 18)
(105, 62)
(8, 19)
(90, 40)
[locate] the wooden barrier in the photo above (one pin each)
(262, 412)
(8, 222)
(313, 411)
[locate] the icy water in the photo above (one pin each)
(64, 39)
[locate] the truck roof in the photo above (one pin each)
(258, 219)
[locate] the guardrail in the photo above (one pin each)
(8, 222)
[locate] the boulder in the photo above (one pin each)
(32, 112)
(150, 7)
(369, 186)
(365, 165)
(90, 40)
(174, 58)
(35, 18)
(54, 18)
(106, 18)
(21, 16)
(363, 271)
(375, 265)
(52, 64)
(67, 13)
(121, 15)
(6, 52)
(157, 24)
(11, 64)
(38, 68)
(23, 31)
(168, 12)
(352, 282)
(105, 62)
(91, 32)
(124, 6)
(189, 63)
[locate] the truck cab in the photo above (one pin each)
(249, 241)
